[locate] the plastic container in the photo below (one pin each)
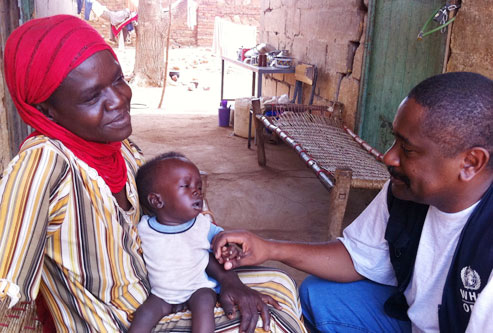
(241, 117)
(283, 62)
(223, 113)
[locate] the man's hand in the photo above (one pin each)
(254, 249)
(235, 295)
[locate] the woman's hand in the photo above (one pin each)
(235, 295)
(254, 249)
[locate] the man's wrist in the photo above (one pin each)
(273, 249)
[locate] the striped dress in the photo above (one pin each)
(63, 233)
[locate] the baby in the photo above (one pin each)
(176, 243)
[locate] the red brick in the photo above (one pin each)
(202, 34)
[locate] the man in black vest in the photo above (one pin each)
(420, 257)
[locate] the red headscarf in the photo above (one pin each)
(38, 56)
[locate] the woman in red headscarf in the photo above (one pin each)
(68, 200)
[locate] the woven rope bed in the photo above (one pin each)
(339, 158)
(20, 318)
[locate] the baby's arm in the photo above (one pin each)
(231, 251)
(149, 314)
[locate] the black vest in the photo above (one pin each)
(471, 265)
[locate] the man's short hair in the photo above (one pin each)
(147, 175)
(459, 111)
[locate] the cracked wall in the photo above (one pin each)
(471, 46)
(325, 33)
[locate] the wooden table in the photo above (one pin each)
(255, 69)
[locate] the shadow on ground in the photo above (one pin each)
(283, 200)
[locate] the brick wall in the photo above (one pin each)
(238, 11)
(320, 32)
(181, 34)
(471, 47)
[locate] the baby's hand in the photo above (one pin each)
(229, 252)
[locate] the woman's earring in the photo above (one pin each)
(43, 111)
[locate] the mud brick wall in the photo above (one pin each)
(325, 33)
(181, 34)
(238, 11)
(471, 46)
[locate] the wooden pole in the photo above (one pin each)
(167, 54)
(447, 44)
(338, 198)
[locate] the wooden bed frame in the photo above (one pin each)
(339, 158)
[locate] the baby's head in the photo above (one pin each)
(170, 188)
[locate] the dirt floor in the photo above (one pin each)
(283, 200)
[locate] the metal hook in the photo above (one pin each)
(441, 16)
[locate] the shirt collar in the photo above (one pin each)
(170, 229)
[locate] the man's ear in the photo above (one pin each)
(475, 160)
(45, 109)
(155, 200)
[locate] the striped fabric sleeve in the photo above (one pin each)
(25, 210)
